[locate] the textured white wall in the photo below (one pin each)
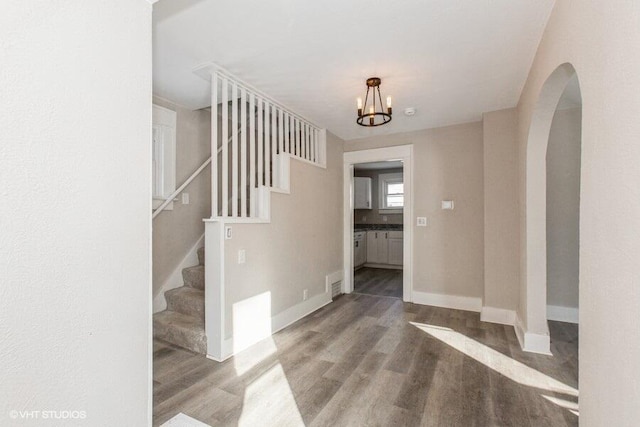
(601, 42)
(75, 174)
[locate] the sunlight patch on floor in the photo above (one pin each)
(504, 365)
(269, 401)
(251, 325)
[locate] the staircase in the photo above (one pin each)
(182, 323)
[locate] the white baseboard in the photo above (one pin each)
(498, 315)
(532, 342)
(280, 321)
(447, 301)
(387, 266)
(175, 279)
(562, 314)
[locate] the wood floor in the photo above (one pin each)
(378, 281)
(373, 361)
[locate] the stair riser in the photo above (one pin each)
(193, 278)
(201, 256)
(180, 337)
(189, 306)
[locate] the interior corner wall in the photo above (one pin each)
(563, 208)
(373, 216)
(448, 165)
(298, 249)
(501, 216)
(176, 231)
(601, 43)
(75, 251)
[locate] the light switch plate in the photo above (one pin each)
(242, 256)
(185, 198)
(421, 221)
(447, 204)
(227, 233)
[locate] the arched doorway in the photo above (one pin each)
(536, 256)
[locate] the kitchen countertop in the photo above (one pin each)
(376, 227)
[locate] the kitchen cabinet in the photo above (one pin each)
(362, 193)
(377, 249)
(395, 246)
(359, 248)
(384, 247)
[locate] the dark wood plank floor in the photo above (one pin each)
(367, 360)
(378, 281)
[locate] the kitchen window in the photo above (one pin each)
(391, 193)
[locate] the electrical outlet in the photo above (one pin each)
(422, 221)
(242, 256)
(305, 294)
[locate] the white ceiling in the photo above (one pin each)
(450, 59)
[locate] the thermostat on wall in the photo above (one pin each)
(447, 204)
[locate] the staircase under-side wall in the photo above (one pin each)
(182, 323)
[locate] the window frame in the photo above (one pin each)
(384, 179)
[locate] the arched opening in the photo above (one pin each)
(548, 225)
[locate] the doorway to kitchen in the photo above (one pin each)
(378, 202)
(377, 222)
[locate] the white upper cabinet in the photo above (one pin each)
(362, 193)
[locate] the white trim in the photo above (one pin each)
(279, 322)
(559, 313)
(175, 279)
(501, 316)
(531, 342)
(214, 288)
(387, 266)
(455, 302)
(400, 152)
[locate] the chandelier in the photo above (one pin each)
(375, 114)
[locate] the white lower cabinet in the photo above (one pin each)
(359, 248)
(394, 245)
(384, 247)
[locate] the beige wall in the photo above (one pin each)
(501, 221)
(373, 216)
(448, 253)
(176, 231)
(601, 41)
(563, 208)
(301, 245)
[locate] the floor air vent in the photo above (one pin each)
(336, 289)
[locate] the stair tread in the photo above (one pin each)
(180, 329)
(179, 320)
(186, 300)
(194, 276)
(185, 292)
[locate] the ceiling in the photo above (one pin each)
(451, 60)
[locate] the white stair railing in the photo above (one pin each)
(271, 133)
